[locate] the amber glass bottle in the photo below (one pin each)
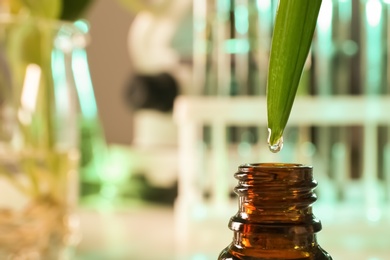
(274, 219)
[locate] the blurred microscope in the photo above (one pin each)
(158, 53)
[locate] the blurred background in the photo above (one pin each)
(168, 171)
(179, 88)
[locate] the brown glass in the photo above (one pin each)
(274, 219)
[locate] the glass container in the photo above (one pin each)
(274, 218)
(39, 137)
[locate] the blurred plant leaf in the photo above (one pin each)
(50, 9)
(293, 32)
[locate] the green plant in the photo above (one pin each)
(31, 43)
(293, 32)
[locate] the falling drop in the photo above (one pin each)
(277, 146)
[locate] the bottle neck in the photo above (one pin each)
(275, 206)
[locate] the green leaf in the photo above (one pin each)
(293, 32)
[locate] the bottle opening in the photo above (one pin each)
(294, 172)
(276, 165)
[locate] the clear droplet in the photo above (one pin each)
(277, 146)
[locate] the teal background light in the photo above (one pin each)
(324, 48)
(60, 80)
(345, 10)
(373, 12)
(325, 18)
(83, 83)
(235, 46)
(265, 12)
(223, 7)
(373, 24)
(241, 19)
(82, 25)
(264, 5)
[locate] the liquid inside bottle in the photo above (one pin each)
(274, 219)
